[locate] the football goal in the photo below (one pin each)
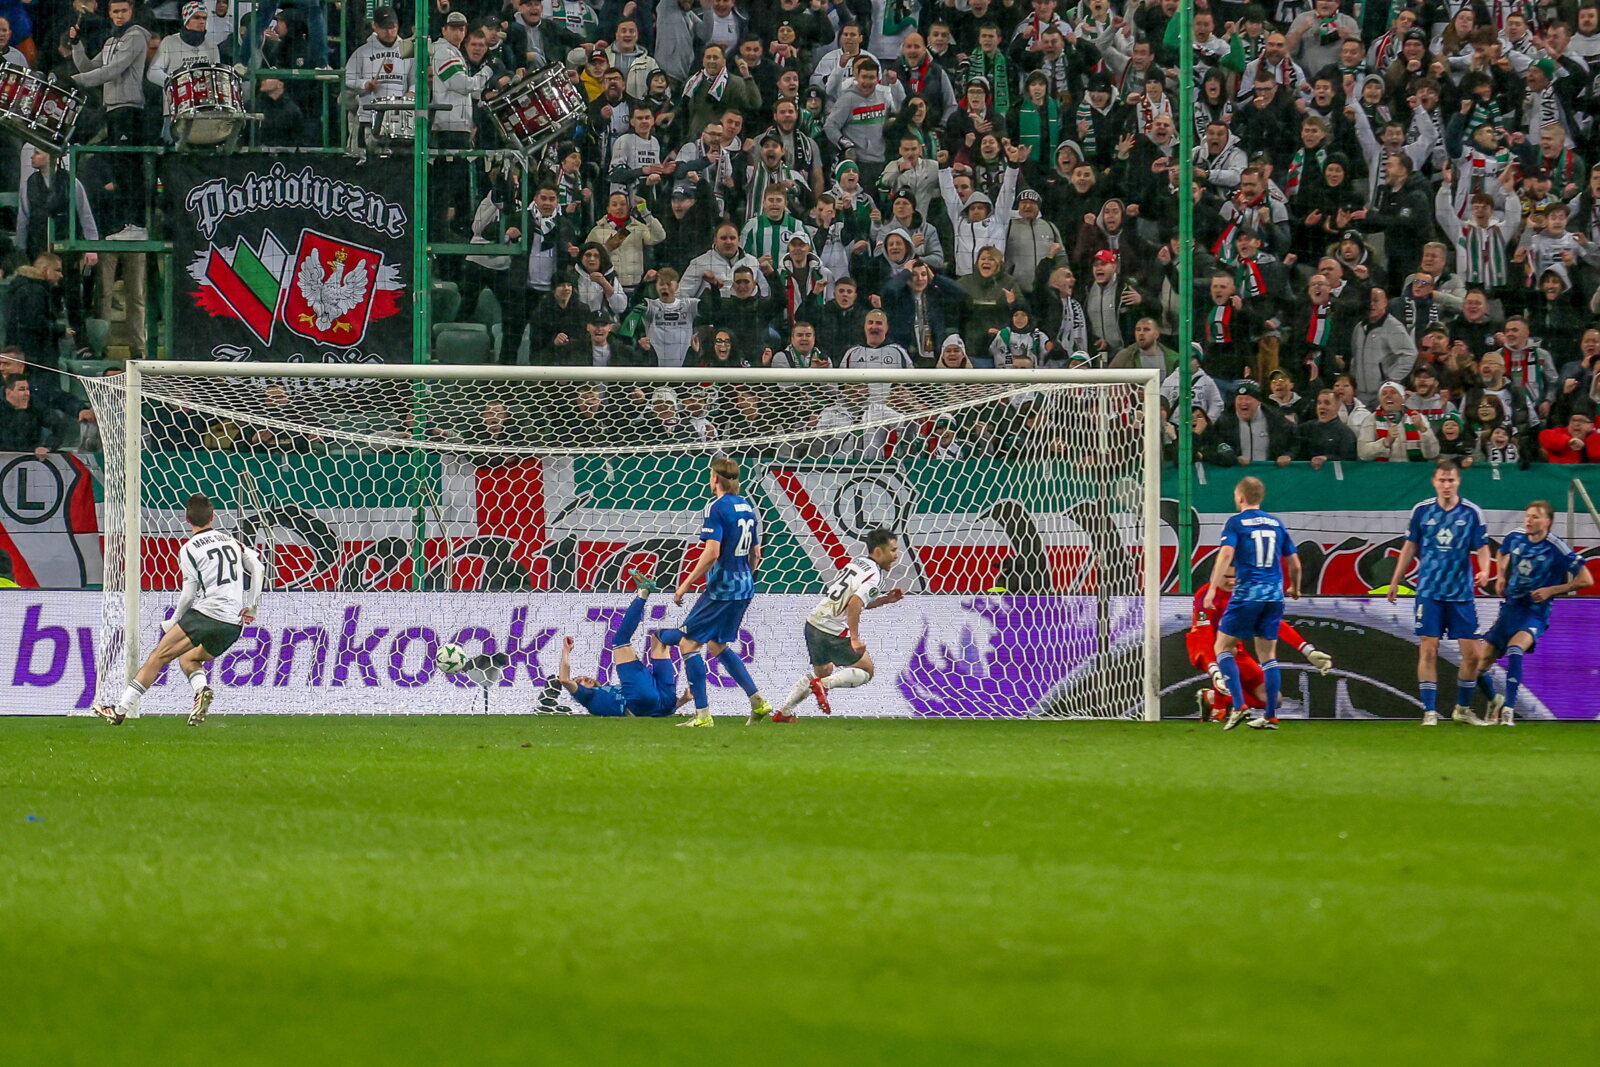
(401, 508)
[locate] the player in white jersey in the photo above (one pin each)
(839, 658)
(222, 582)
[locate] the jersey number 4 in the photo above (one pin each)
(1265, 543)
(227, 563)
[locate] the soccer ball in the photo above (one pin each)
(452, 659)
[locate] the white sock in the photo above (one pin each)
(798, 694)
(198, 679)
(846, 678)
(130, 696)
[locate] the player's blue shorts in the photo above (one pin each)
(1516, 616)
(715, 620)
(1259, 618)
(1447, 618)
(648, 688)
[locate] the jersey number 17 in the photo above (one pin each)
(1265, 543)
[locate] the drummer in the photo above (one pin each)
(377, 71)
(178, 50)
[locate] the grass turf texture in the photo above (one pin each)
(576, 891)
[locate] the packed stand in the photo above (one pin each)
(1397, 239)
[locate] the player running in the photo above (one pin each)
(1444, 535)
(731, 537)
(222, 582)
(1258, 546)
(839, 658)
(1534, 567)
(1201, 643)
(640, 691)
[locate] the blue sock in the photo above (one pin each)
(1513, 675)
(1430, 695)
(670, 636)
(737, 671)
(630, 622)
(694, 669)
(1230, 674)
(1274, 686)
(1464, 691)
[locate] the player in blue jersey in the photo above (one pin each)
(1257, 546)
(731, 536)
(1533, 568)
(645, 692)
(1444, 536)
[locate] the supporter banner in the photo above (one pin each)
(305, 260)
(371, 653)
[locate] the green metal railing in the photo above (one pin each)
(1186, 531)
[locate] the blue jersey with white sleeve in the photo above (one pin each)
(1535, 564)
(733, 523)
(1445, 540)
(1260, 542)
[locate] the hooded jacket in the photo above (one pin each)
(676, 48)
(1379, 353)
(972, 235)
(118, 68)
(367, 64)
(1224, 168)
(856, 122)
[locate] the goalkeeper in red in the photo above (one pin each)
(1201, 643)
(839, 657)
(1258, 546)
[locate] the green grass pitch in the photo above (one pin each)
(576, 891)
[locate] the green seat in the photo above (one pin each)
(463, 327)
(78, 369)
(460, 347)
(97, 331)
(488, 309)
(446, 301)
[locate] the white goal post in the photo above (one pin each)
(402, 507)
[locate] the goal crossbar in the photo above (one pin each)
(714, 375)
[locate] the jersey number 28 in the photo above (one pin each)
(227, 563)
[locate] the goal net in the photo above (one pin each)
(398, 509)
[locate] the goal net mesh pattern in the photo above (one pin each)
(395, 515)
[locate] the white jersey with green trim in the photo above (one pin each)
(221, 577)
(862, 578)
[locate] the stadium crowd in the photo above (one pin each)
(1397, 205)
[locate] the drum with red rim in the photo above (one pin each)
(206, 101)
(36, 109)
(538, 109)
